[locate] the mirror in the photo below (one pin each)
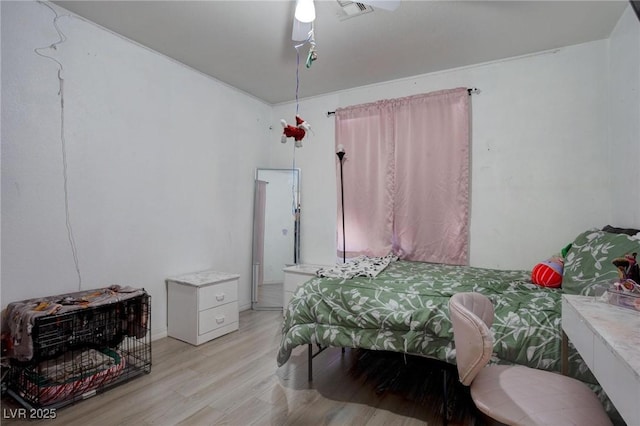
(276, 234)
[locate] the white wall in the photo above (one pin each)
(624, 120)
(160, 161)
(539, 154)
(161, 158)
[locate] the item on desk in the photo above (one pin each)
(625, 291)
(623, 299)
(628, 273)
(627, 285)
(628, 268)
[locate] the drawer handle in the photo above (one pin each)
(220, 297)
(220, 320)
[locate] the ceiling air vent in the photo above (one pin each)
(351, 9)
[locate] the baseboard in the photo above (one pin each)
(159, 335)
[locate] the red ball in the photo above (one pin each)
(547, 274)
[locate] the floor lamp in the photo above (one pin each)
(340, 155)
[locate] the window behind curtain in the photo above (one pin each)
(406, 177)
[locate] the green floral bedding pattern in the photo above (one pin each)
(588, 267)
(405, 309)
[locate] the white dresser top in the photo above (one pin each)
(618, 328)
(202, 278)
(304, 268)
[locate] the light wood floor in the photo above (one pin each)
(234, 380)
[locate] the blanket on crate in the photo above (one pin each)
(19, 318)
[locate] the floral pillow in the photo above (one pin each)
(588, 267)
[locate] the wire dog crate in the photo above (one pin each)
(79, 353)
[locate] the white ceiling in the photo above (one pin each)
(247, 44)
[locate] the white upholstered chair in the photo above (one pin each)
(514, 395)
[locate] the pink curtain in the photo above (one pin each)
(431, 199)
(366, 133)
(406, 177)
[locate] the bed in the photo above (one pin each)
(405, 308)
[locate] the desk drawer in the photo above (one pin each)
(220, 316)
(217, 294)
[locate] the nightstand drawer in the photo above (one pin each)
(202, 305)
(217, 294)
(220, 316)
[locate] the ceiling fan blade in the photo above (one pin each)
(300, 30)
(390, 5)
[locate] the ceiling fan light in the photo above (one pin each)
(305, 11)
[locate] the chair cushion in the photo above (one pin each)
(518, 395)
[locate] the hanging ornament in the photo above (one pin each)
(296, 132)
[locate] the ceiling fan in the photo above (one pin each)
(305, 14)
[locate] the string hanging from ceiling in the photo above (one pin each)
(39, 51)
(301, 127)
(299, 130)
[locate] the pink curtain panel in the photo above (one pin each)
(406, 177)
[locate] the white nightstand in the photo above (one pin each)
(294, 276)
(202, 306)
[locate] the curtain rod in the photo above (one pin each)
(469, 91)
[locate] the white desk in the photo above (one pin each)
(608, 339)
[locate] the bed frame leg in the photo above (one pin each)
(445, 402)
(311, 355)
(310, 363)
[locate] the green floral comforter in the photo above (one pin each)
(405, 309)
